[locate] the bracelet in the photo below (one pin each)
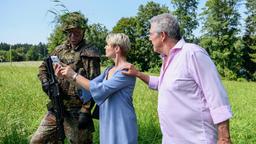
(74, 76)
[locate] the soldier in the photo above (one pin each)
(84, 59)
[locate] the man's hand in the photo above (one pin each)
(223, 133)
(131, 70)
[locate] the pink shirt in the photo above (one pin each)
(191, 99)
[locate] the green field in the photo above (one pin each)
(22, 106)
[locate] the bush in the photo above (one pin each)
(155, 69)
(230, 75)
(242, 79)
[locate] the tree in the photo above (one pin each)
(185, 10)
(145, 55)
(3, 56)
(4, 46)
(220, 30)
(137, 29)
(32, 53)
(20, 54)
(96, 34)
(42, 51)
(56, 38)
(249, 52)
(128, 26)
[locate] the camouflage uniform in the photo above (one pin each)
(84, 59)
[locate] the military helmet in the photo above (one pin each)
(73, 20)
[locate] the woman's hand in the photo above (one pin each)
(67, 72)
(64, 72)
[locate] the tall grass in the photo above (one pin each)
(242, 96)
(22, 106)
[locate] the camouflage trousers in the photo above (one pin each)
(46, 132)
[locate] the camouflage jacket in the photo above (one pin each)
(84, 59)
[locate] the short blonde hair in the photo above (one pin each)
(121, 40)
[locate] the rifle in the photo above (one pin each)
(54, 95)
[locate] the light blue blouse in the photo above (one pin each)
(118, 123)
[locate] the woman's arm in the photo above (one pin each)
(68, 73)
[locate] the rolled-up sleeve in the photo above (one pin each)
(153, 82)
(221, 114)
(206, 75)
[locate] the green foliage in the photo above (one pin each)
(137, 29)
(4, 46)
(106, 62)
(41, 50)
(128, 26)
(3, 56)
(185, 10)
(22, 52)
(254, 76)
(71, 20)
(96, 34)
(56, 38)
(16, 54)
(220, 36)
(249, 38)
(32, 54)
(23, 105)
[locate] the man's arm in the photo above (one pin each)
(223, 133)
(143, 77)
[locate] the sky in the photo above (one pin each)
(29, 21)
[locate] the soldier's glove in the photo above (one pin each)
(45, 86)
(85, 121)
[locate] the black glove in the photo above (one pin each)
(85, 121)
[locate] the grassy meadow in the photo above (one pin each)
(22, 106)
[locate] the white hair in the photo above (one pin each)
(166, 22)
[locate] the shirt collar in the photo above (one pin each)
(179, 44)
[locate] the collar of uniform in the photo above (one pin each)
(82, 43)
